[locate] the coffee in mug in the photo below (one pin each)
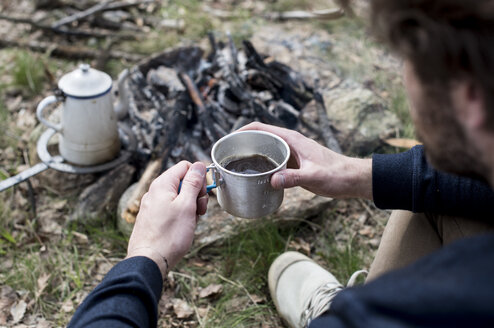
(243, 163)
(252, 164)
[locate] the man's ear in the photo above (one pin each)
(469, 105)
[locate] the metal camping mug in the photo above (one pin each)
(248, 195)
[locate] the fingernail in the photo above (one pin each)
(279, 181)
(198, 169)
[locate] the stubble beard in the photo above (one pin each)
(446, 145)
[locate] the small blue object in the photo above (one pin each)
(208, 188)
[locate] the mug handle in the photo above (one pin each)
(40, 109)
(208, 188)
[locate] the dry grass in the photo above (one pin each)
(52, 266)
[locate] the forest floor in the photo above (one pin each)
(48, 266)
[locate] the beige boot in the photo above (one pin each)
(301, 289)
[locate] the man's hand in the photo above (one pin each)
(318, 169)
(167, 220)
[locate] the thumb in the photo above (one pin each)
(192, 184)
(286, 179)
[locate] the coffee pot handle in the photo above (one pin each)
(40, 109)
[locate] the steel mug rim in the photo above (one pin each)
(218, 166)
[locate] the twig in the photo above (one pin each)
(100, 7)
(238, 285)
(126, 4)
(67, 51)
(32, 196)
(371, 213)
(201, 321)
(67, 31)
(81, 15)
(326, 14)
(183, 275)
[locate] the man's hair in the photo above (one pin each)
(444, 40)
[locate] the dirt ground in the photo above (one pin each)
(48, 264)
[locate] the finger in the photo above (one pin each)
(202, 205)
(281, 132)
(192, 184)
(286, 179)
(169, 180)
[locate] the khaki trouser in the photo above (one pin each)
(409, 236)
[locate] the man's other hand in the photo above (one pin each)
(318, 169)
(167, 219)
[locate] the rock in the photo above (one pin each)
(217, 225)
(361, 118)
(358, 115)
(101, 198)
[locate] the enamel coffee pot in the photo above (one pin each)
(88, 128)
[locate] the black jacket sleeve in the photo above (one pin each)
(407, 181)
(128, 296)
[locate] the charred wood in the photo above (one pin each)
(326, 129)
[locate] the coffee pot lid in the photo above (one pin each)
(85, 82)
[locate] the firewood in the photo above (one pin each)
(103, 6)
(67, 51)
(326, 129)
(152, 172)
(81, 15)
(77, 32)
(326, 14)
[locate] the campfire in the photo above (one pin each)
(181, 102)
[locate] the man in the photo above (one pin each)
(449, 74)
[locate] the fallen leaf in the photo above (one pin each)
(258, 299)
(402, 142)
(13, 104)
(58, 205)
(68, 306)
(211, 291)
(182, 309)
(43, 323)
(203, 311)
(42, 282)
(17, 311)
(80, 237)
(7, 298)
(367, 231)
(237, 303)
(102, 269)
(47, 221)
(197, 263)
(300, 245)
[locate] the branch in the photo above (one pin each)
(80, 15)
(100, 7)
(68, 51)
(326, 14)
(66, 31)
